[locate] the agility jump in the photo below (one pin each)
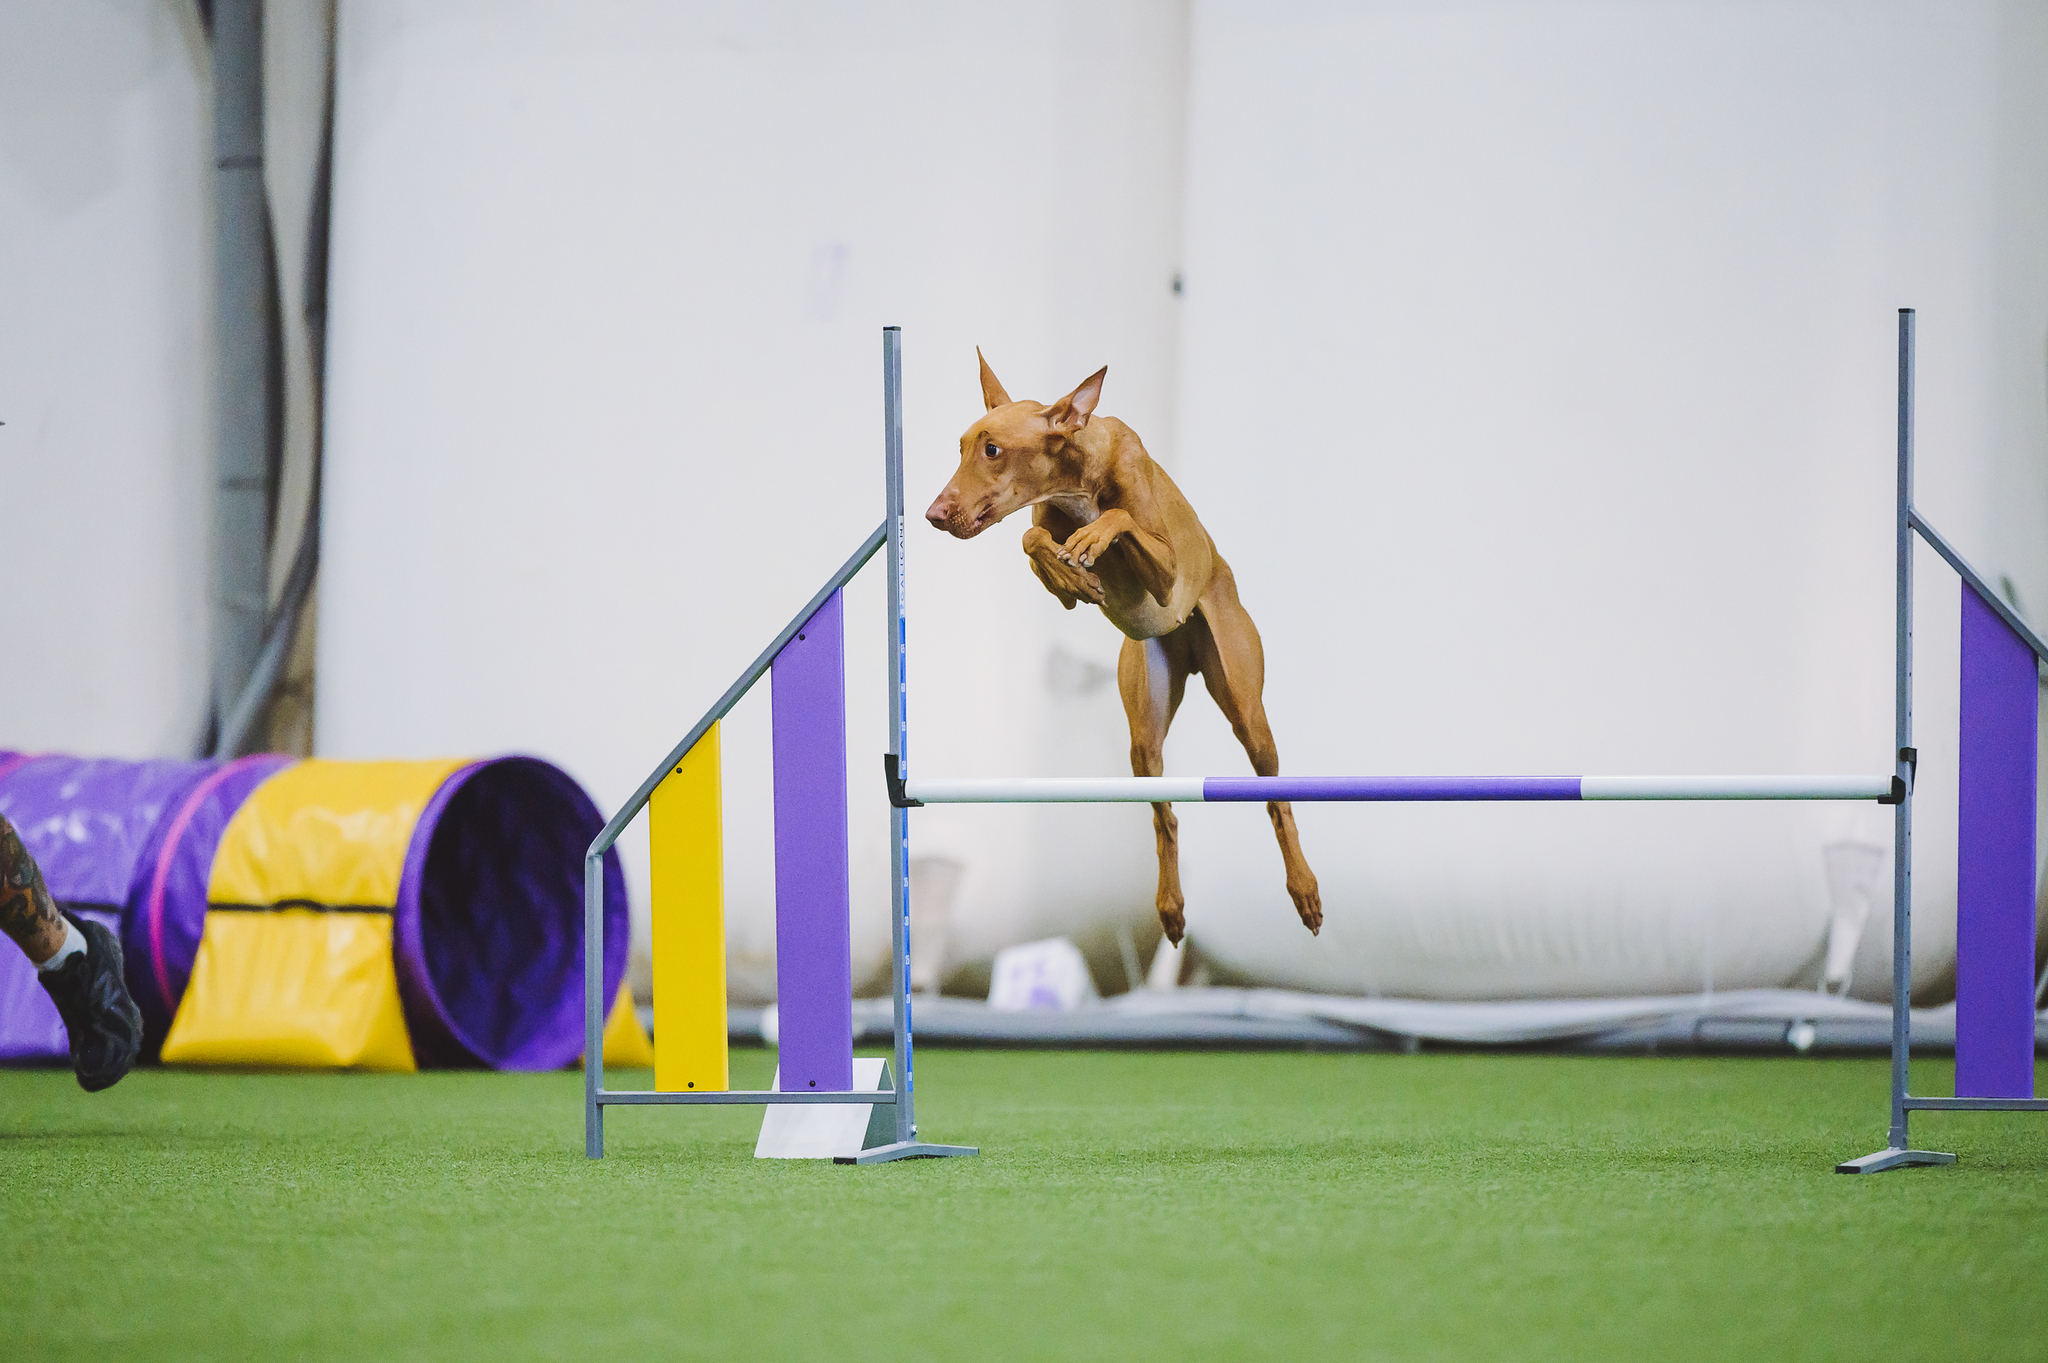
(1996, 990)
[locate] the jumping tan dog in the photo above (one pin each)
(1109, 526)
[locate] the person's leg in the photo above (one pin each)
(78, 963)
(27, 913)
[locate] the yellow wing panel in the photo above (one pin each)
(687, 883)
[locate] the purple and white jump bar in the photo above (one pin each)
(1385, 789)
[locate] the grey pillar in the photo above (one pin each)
(246, 405)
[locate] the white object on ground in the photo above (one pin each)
(1166, 966)
(1045, 974)
(1852, 873)
(933, 881)
(1127, 947)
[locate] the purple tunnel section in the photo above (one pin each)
(488, 934)
(1399, 788)
(95, 828)
(1995, 858)
(167, 914)
(813, 942)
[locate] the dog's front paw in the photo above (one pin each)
(1308, 902)
(1090, 542)
(1064, 580)
(1175, 924)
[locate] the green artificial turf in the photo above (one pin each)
(1126, 1206)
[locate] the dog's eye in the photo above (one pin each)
(990, 450)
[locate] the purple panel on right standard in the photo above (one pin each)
(813, 943)
(1995, 859)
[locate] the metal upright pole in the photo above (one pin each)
(1897, 1151)
(1902, 814)
(899, 733)
(593, 1005)
(906, 1145)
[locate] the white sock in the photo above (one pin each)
(74, 945)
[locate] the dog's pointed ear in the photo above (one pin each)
(1071, 412)
(991, 387)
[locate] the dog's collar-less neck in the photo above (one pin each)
(1077, 506)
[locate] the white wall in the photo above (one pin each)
(604, 393)
(1534, 374)
(105, 382)
(1537, 382)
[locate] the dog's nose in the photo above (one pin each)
(939, 513)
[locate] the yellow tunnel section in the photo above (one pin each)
(687, 883)
(294, 966)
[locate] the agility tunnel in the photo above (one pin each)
(324, 914)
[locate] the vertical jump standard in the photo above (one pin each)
(1996, 987)
(813, 963)
(1996, 992)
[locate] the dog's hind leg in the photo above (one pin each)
(1227, 652)
(1152, 674)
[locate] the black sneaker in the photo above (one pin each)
(91, 994)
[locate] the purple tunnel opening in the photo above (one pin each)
(489, 931)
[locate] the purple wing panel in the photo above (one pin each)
(813, 945)
(1995, 859)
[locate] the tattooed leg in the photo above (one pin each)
(27, 913)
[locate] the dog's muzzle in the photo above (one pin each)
(944, 516)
